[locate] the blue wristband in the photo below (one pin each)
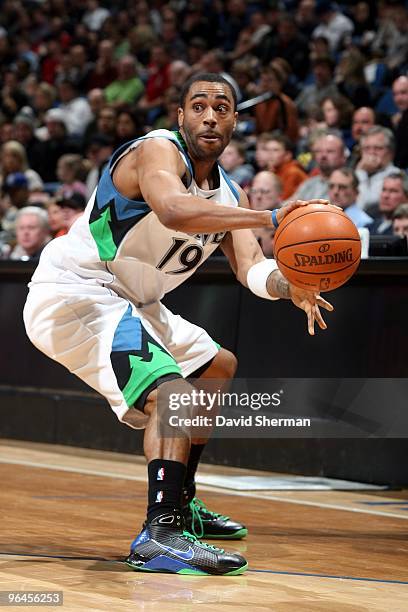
(274, 217)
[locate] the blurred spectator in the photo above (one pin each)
(104, 71)
(32, 233)
(363, 119)
(77, 113)
(288, 44)
(278, 113)
(265, 194)
(7, 132)
(13, 159)
(12, 97)
(73, 205)
(57, 143)
(71, 172)
(337, 112)
(169, 119)
(400, 221)
(251, 36)
(335, 26)
(128, 87)
(95, 15)
(329, 154)
(350, 78)
(16, 186)
(400, 93)
(391, 38)
(129, 126)
(55, 219)
(305, 17)
(377, 151)
(343, 192)
(81, 68)
(215, 61)
(393, 193)
(24, 133)
(233, 160)
(280, 161)
(265, 191)
(158, 80)
(99, 150)
(179, 72)
(44, 98)
(323, 86)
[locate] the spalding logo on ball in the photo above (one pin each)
(317, 247)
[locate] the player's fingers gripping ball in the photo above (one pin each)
(317, 247)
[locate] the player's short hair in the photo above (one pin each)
(401, 212)
(208, 77)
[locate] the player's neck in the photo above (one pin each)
(205, 175)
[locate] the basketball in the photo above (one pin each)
(317, 247)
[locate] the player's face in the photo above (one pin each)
(207, 120)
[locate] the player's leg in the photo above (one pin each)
(200, 520)
(163, 544)
(203, 361)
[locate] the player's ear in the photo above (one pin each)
(235, 119)
(180, 117)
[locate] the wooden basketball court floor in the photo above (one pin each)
(68, 515)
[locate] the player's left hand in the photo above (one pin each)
(287, 208)
(311, 303)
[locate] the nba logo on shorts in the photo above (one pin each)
(159, 496)
(160, 474)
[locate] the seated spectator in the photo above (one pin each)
(13, 159)
(128, 87)
(98, 152)
(265, 194)
(400, 93)
(73, 205)
(16, 186)
(24, 133)
(71, 172)
(334, 26)
(343, 192)
(265, 191)
(104, 71)
(129, 125)
(363, 119)
(56, 143)
(329, 154)
(55, 219)
(400, 221)
(337, 112)
(280, 161)
(393, 193)
(377, 151)
(278, 113)
(95, 16)
(168, 119)
(32, 233)
(77, 113)
(233, 160)
(323, 85)
(158, 81)
(350, 78)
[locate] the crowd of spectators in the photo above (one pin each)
(78, 78)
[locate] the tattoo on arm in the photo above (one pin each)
(278, 286)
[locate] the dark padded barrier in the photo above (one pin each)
(367, 337)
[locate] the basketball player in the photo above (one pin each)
(162, 206)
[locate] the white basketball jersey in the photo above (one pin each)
(120, 243)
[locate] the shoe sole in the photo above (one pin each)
(190, 572)
(237, 535)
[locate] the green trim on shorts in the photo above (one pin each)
(219, 347)
(143, 372)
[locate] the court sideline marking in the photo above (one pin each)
(93, 472)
